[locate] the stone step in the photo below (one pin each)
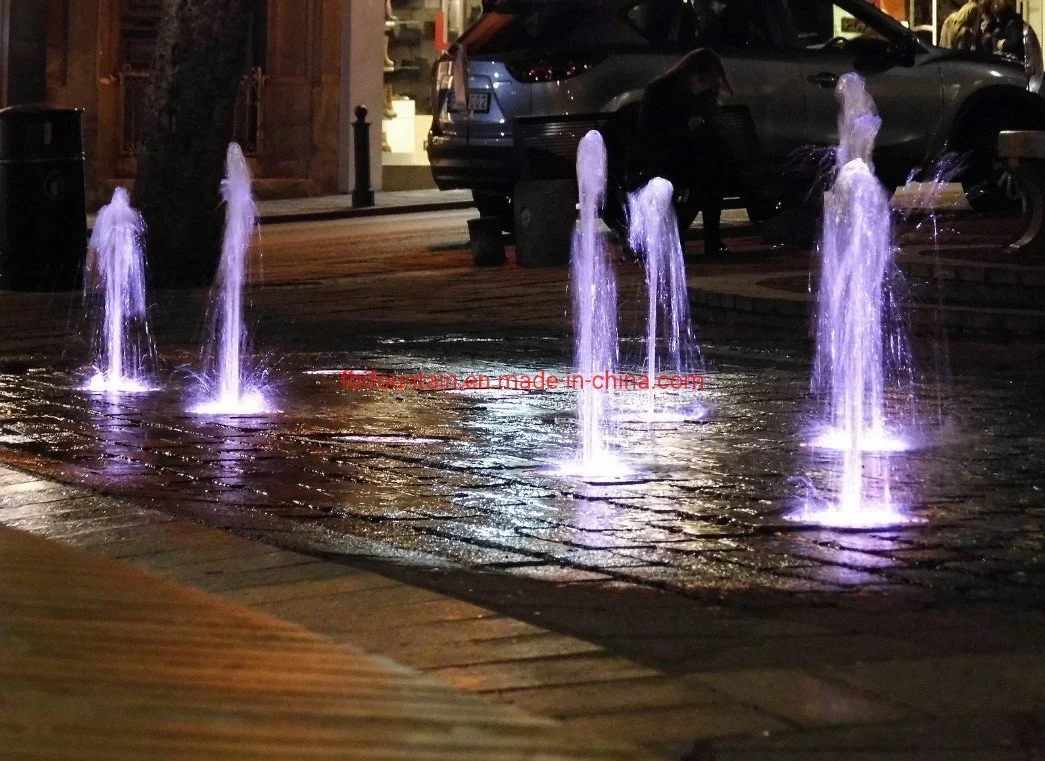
(958, 277)
(782, 301)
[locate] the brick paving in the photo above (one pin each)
(781, 674)
(468, 477)
(102, 661)
(684, 588)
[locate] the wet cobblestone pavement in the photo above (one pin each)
(677, 609)
(468, 479)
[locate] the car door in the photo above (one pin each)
(765, 78)
(834, 37)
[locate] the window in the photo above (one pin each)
(819, 22)
(656, 20)
(725, 24)
(545, 27)
(732, 25)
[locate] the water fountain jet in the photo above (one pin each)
(857, 344)
(115, 272)
(230, 386)
(594, 312)
(855, 339)
(653, 233)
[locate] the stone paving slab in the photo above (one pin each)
(397, 275)
(340, 206)
(317, 208)
(353, 606)
(974, 276)
(579, 680)
(99, 660)
(700, 520)
(986, 736)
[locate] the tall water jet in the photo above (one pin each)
(855, 339)
(594, 308)
(115, 274)
(858, 344)
(231, 387)
(653, 233)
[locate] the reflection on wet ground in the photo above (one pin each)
(470, 478)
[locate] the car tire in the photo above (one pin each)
(988, 184)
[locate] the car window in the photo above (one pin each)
(732, 24)
(526, 27)
(664, 23)
(819, 22)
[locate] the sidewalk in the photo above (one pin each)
(412, 201)
(319, 208)
(103, 661)
(340, 206)
(857, 679)
(676, 611)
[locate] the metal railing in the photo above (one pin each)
(248, 116)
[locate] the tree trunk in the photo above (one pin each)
(200, 56)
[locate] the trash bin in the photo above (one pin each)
(43, 227)
(545, 214)
(486, 240)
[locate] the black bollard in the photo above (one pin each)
(362, 194)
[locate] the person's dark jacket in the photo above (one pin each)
(1007, 35)
(668, 146)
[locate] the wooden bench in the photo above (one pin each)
(1024, 153)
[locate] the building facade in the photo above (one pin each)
(308, 64)
(98, 58)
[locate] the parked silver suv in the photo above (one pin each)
(542, 72)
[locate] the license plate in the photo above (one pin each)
(479, 102)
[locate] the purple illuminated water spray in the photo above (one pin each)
(594, 306)
(653, 231)
(115, 271)
(853, 335)
(230, 388)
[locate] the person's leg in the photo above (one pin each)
(712, 210)
(687, 205)
(721, 172)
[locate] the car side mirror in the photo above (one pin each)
(907, 51)
(884, 57)
(903, 52)
(873, 61)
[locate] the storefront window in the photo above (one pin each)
(417, 32)
(924, 17)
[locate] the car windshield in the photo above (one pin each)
(524, 26)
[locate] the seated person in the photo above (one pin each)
(680, 139)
